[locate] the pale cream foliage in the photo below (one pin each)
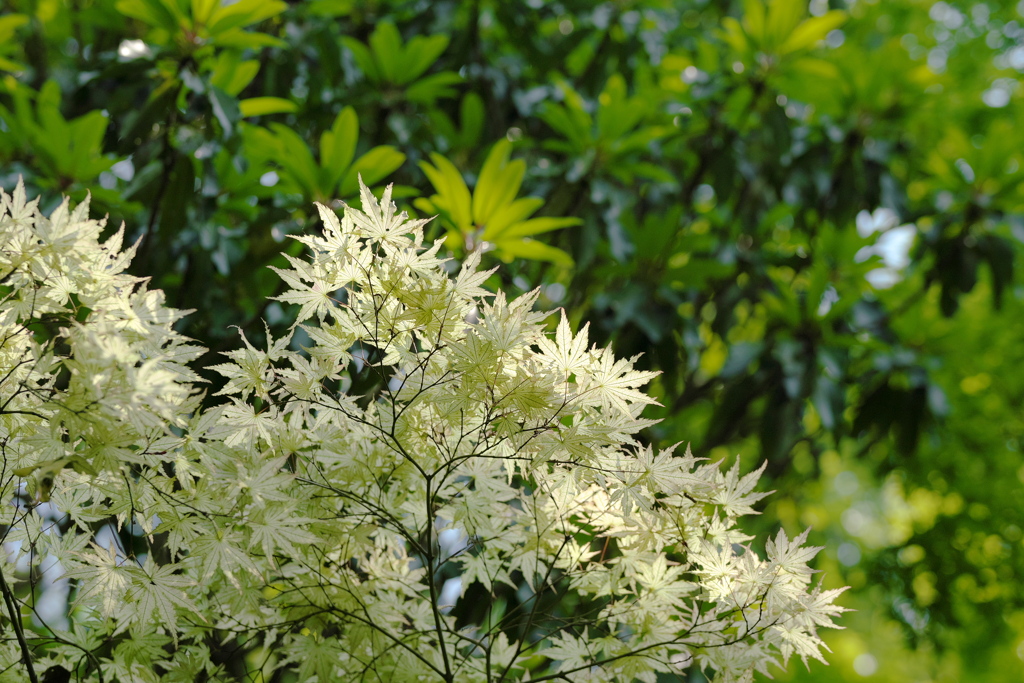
(316, 526)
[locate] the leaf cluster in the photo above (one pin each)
(294, 527)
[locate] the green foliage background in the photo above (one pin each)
(697, 179)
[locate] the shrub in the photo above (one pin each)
(329, 534)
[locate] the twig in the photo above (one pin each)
(15, 613)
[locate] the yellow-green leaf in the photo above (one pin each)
(338, 145)
(532, 249)
(783, 17)
(753, 18)
(243, 13)
(536, 226)
(493, 186)
(386, 43)
(259, 106)
(374, 166)
(448, 182)
(512, 213)
(202, 9)
(811, 31)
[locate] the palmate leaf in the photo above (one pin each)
(670, 473)
(221, 552)
(156, 594)
(105, 577)
(735, 494)
(247, 424)
(567, 354)
(280, 529)
(571, 651)
(314, 299)
(795, 640)
(791, 556)
(613, 383)
(315, 656)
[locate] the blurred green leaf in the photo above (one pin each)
(261, 106)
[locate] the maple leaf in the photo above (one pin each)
(612, 382)
(567, 354)
(315, 299)
(280, 529)
(246, 423)
(665, 583)
(221, 551)
(105, 576)
(156, 594)
(791, 556)
(734, 493)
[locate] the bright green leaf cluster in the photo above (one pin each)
(491, 217)
(610, 141)
(67, 150)
(192, 24)
(777, 28)
(337, 171)
(386, 61)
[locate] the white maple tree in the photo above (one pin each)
(296, 530)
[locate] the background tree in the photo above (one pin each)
(791, 208)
